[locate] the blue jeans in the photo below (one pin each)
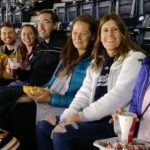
(80, 139)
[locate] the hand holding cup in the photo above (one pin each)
(124, 125)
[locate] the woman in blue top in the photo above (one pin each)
(66, 81)
(69, 75)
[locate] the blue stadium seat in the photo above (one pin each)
(1, 17)
(87, 8)
(144, 39)
(144, 7)
(17, 17)
(144, 13)
(103, 7)
(3, 3)
(127, 9)
(61, 12)
(72, 10)
(144, 24)
(8, 19)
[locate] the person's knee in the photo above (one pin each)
(65, 136)
(43, 127)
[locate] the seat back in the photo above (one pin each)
(72, 11)
(1, 19)
(17, 17)
(103, 7)
(127, 9)
(144, 13)
(144, 7)
(144, 24)
(87, 8)
(61, 12)
(145, 39)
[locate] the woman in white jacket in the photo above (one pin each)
(108, 85)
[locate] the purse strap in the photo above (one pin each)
(145, 110)
(140, 117)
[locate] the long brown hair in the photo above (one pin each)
(127, 44)
(70, 56)
(22, 45)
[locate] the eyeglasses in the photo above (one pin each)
(44, 22)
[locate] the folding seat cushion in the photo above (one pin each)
(8, 141)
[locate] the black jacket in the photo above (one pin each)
(45, 58)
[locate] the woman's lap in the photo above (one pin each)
(83, 137)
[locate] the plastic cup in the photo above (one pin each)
(13, 67)
(127, 121)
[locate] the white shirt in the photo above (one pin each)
(121, 83)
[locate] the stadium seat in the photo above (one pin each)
(61, 12)
(103, 7)
(144, 13)
(87, 8)
(72, 10)
(127, 9)
(1, 17)
(144, 25)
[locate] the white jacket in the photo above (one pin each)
(121, 82)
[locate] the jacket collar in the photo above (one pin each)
(15, 47)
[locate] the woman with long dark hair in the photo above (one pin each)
(29, 40)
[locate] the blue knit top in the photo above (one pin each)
(76, 81)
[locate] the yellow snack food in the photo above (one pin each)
(32, 90)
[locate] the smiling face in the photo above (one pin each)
(110, 37)
(8, 35)
(81, 36)
(45, 25)
(28, 36)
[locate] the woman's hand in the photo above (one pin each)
(51, 119)
(114, 120)
(73, 118)
(42, 96)
(24, 98)
(8, 69)
(115, 115)
(60, 128)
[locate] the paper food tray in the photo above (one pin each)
(101, 144)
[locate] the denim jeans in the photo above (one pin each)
(73, 139)
(43, 135)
